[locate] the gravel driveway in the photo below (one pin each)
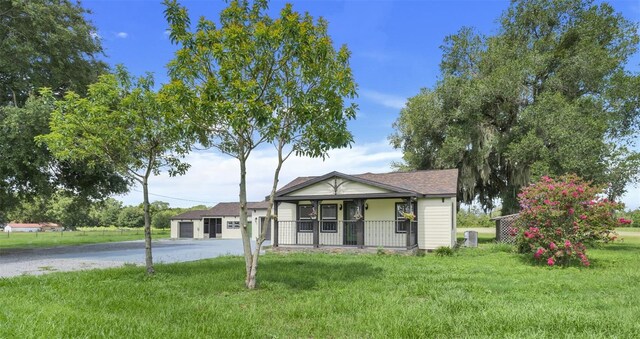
(72, 258)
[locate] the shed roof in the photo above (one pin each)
(24, 225)
(31, 225)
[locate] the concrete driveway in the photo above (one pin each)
(72, 258)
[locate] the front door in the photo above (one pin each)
(349, 225)
(216, 227)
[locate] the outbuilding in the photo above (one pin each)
(221, 221)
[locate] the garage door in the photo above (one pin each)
(186, 230)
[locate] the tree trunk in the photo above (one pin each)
(246, 241)
(147, 227)
(252, 271)
(510, 203)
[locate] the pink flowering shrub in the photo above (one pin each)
(560, 218)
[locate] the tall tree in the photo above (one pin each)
(122, 123)
(548, 94)
(28, 170)
(46, 43)
(260, 80)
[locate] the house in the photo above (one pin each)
(220, 221)
(32, 227)
(368, 210)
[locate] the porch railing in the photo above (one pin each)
(362, 233)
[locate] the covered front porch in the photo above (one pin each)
(356, 223)
(350, 233)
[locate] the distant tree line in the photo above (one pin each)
(474, 217)
(73, 213)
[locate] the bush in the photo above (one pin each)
(632, 218)
(444, 251)
(559, 219)
(162, 219)
(131, 216)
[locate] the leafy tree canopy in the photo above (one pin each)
(547, 95)
(252, 79)
(28, 169)
(46, 43)
(124, 124)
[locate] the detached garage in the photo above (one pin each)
(221, 221)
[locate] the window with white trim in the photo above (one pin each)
(401, 208)
(233, 224)
(329, 218)
(305, 213)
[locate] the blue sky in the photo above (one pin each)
(395, 52)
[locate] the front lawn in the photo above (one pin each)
(483, 292)
(52, 239)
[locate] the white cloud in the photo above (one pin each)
(214, 177)
(95, 35)
(632, 198)
(122, 35)
(384, 99)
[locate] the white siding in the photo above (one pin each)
(348, 187)
(231, 233)
(256, 225)
(454, 211)
(198, 228)
(286, 214)
(9, 229)
(174, 229)
(435, 223)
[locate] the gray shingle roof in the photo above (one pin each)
(223, 209)
(190, 215)
(426, 182)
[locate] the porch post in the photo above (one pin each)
(316, 229)
(408, 225)
(360, 225)
(275, 226)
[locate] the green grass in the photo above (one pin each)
(483, 292)
(52, 239)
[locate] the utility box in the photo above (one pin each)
(470, 239)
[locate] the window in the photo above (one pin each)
(233, 224)
(329, 215)
(305, 212)
(401, 207)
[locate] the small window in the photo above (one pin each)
(233, 224)
(305, 212)
(329, 215)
